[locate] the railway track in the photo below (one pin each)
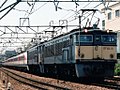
(110, 83)
(41, 85)
(115, 78)
(34, 83)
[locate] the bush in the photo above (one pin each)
(117, 69)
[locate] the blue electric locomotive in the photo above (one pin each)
(87, 52)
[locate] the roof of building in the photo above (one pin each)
(111, 6)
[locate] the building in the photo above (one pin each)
(112, 21)
(112, 17)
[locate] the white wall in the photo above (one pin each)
(114, 23)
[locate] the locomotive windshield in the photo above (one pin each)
(86, 38)
(97, 39)
(109, 38)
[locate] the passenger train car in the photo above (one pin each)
(86, 52)
(19, 61)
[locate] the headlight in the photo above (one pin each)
(82, 55)
(111, 56)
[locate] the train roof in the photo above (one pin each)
(90, 30)
(24, 53)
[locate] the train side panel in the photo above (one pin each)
(109, 52)
(17, 62)
(84, 52)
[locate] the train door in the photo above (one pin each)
(35, 58)
(39, 54)
(65, 54)
(97, 53)
(41, 58)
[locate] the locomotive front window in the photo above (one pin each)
(108, 38)
(86, 38)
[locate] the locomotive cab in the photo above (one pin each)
(105, 46)
(95, 53)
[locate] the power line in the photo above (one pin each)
(10, 6)
(3, 3)
(33, 5)
(38, 8)
(29, 12)
(83, 14)
(68, 0)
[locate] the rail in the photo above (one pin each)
(31, 82)
(111, 83)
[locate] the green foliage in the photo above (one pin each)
(118, 55)
(117, 69)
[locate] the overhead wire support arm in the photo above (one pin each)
(32, 29)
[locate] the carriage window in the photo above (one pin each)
(86, 38)
(22, 57)
(109, 39)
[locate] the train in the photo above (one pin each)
(82, 52)
(19, 61)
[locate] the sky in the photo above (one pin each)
(42, 13)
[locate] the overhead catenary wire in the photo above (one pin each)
(77, 11)
(84, 13)
(20, 10)
(10, 6)
(28, 13)
(38, 8)
(76, 18)
(3, 3)
(32, 11)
